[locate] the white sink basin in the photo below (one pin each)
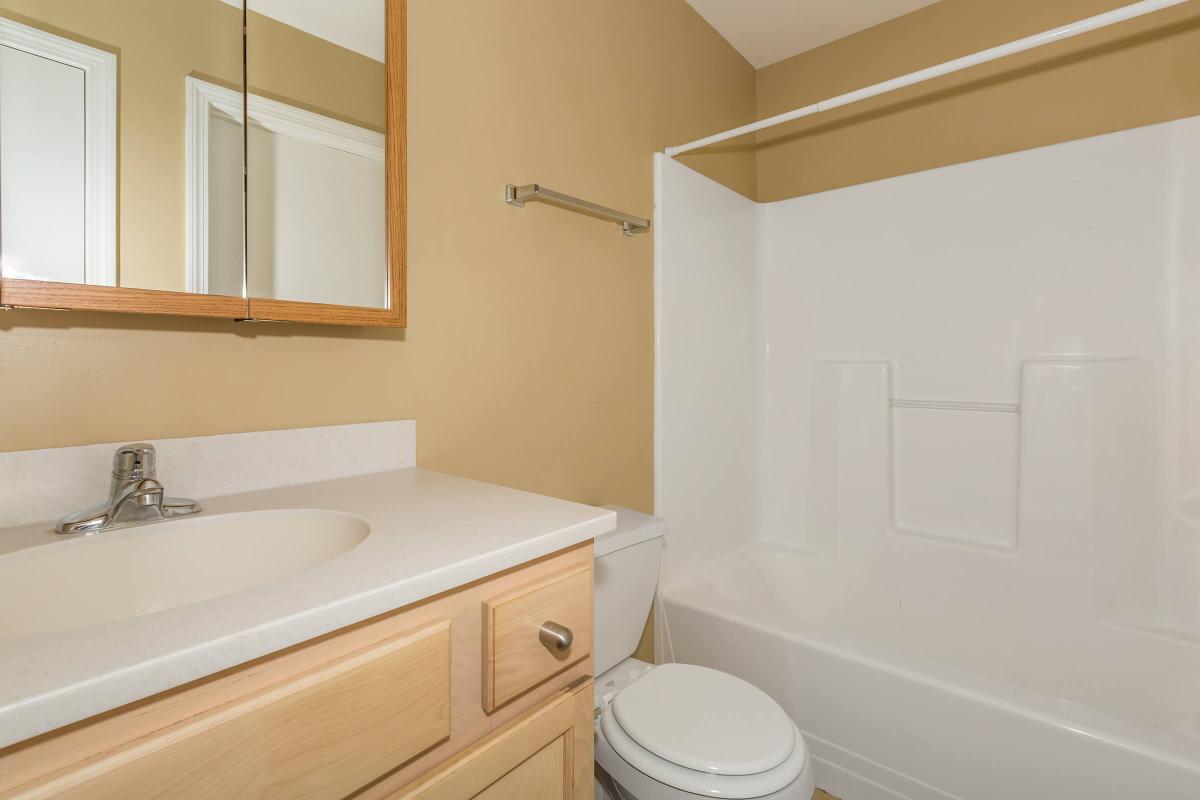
(126, 573)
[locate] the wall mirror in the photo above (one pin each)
(202, 157)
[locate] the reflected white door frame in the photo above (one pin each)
(100, 139)
(287, 120)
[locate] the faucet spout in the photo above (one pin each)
(135, 497)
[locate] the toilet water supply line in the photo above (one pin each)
(1113, 17)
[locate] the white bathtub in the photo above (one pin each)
(934, 700)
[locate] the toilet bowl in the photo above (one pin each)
(677, 731)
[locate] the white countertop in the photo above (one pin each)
(430, 532)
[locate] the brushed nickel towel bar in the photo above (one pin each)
(519, 195)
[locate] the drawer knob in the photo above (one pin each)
(557, 638)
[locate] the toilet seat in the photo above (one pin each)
(705, 720)
(705, 732)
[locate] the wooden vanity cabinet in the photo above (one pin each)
(401, 707)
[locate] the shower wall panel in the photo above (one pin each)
(999, 358)
(708, 366)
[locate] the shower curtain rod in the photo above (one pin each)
(1020, 45)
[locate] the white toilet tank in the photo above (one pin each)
(626, 576)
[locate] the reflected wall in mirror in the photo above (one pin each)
(100, 168)
(316, 194)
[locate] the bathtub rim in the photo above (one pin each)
(1135, 736)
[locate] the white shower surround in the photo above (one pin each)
(930, 452)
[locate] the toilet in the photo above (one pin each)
(677, 731)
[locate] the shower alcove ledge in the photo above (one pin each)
(430, 533)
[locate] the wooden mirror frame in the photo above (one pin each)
(21, 293)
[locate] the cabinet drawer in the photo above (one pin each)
(321, 735)
(514, 656)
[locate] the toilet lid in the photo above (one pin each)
(705, 720)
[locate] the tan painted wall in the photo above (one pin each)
(1137, 73)
(287, 64)
(529, 353)
(158, 44)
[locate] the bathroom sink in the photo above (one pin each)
(127, 573)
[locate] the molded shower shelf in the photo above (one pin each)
(954, 474)
(963, 471)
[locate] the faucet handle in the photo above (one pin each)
(134, 461)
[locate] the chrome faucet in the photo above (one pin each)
(135, 497)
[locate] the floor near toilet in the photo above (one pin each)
(820, 795)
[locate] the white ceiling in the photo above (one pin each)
(354, 24)
(766, 31)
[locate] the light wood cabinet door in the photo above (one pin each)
(544, 755)
(541, 776)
